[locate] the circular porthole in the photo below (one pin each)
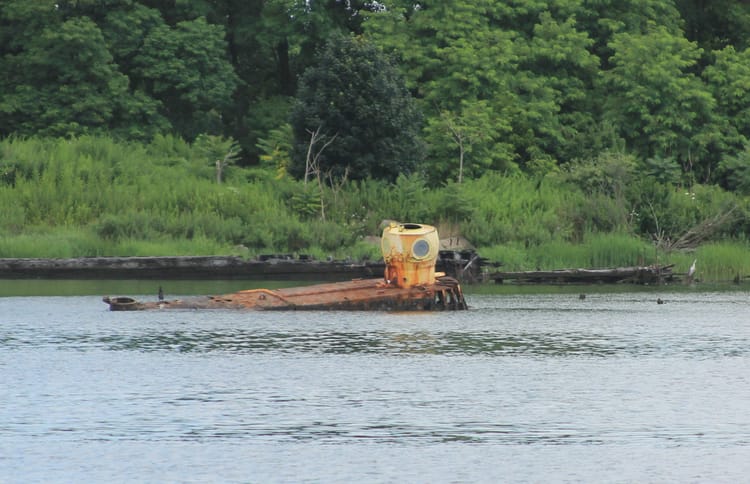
(420, 249)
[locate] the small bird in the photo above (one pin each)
(161, 294)
(691, 271)
(659, 301)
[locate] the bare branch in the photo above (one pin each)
(705, 229)
(312, 163)
(312, 160)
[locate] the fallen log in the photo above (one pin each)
(631, 275)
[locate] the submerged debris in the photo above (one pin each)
(409, 282)
(634, 275)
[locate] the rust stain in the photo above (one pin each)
(410, 283)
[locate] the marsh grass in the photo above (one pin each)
(715, 262)
(95, 196)
(720, 261)
(597, 251)
(70, 243)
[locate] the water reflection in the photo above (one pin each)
(542, 433)
(93, 395)
(478, 343)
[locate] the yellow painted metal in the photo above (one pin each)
(410, 252)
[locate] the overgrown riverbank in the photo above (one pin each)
(97, 197)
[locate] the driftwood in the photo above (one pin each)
(697, 234)
(704, 230)
(632, 275)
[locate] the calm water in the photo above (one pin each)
(521, 388)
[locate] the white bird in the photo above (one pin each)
(691, 271)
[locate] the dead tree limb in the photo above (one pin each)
(704, 230)
(312, 163)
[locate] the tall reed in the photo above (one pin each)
(720, 261)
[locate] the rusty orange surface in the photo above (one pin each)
(410, 252)
(363, 294)
(409, 283)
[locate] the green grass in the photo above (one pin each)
(69, 243)
(720, 261)
(715, 262)
(60, 243)
(95, 196)
(597, 251)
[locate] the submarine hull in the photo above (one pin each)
(365, 294)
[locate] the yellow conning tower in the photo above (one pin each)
(410, 252)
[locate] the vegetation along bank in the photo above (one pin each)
(548, 134)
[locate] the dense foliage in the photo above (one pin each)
(366, 120)
(501, 86)
(92, 196)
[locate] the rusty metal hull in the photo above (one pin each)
(366, 294)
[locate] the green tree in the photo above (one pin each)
(716, 24)
(728, 78)
(734, 171)
(276, 150)
(602, 19)
(71, 67)
(356, 94)
(21, 22)
(221, 152)
(186, 69)
(461, 71)
(460, 142)
(271, 43)
(63, 82)
(524, 63)
(659, 105)
(663, 170)
(556, 76)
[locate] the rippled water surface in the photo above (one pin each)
(520, 388)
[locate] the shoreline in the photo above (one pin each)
(271, 267)
(184, 267)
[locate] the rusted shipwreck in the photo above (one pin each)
(410, 282)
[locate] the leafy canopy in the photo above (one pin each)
(355, 94)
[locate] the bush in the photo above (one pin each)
(97, 196)
(128, 225)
